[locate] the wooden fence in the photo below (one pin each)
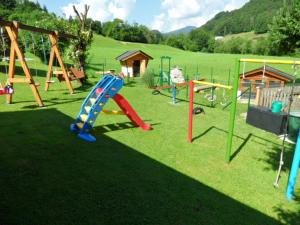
(265, 97)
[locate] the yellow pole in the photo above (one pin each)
(272, 61)
(212, 84)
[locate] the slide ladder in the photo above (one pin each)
(92, 106)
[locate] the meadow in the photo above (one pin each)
(49, 176)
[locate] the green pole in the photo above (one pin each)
(187, 88)
(169, 71)
(212, 89)
(229, 74)
(161, 71)
(233, 111)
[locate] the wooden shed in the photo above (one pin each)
(134, 63)
(265, 76)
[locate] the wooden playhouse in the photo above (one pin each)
(265, 76)
(134, 63)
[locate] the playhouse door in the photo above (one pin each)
(136, 68)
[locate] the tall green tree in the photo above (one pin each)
(285, 30)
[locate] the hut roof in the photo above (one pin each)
(128, 54)
(269, 71)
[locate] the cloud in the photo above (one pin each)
(176, 14)
(102, 10)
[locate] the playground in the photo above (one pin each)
(129, 176)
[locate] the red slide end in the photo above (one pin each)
(130, 112)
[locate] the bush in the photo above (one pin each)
(149, 79)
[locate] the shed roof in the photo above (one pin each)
(271, 70)
(128, 54)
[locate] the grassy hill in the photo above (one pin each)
(246, 35)
(254, 15)
(106, 49)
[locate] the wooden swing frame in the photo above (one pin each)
(12, 29)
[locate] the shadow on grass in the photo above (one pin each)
(273, 158)
(48, 102)
(287, 216)
(271, 155)
(49, 176)
(118, 126)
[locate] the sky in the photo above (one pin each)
(162, 15)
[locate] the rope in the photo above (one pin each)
(244, 68)
(34, 52)
(4, 51)
(281, 160)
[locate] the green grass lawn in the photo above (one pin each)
(129, 176)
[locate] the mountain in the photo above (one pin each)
(184, 30)
(253, 16)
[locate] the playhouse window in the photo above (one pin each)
(259, 83)
(247, 83)
(274, 83)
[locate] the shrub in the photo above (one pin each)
(149, 79)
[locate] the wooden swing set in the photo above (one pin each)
(12, 29)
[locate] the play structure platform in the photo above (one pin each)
(94, 104)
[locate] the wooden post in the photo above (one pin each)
(258, 95)
(55, 53)
(12, 31)
(51, 61)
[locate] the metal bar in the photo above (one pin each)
(212, 84)
(232, 112)
(271, 61)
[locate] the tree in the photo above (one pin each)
(79, 47)
(285, 30)
(201, 39)
(8, 4)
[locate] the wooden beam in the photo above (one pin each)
(35, 29)
(19, 80)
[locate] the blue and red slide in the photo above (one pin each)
(92, 106)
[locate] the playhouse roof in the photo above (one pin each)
(128, 54)
(269, 71)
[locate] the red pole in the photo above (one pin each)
(190, 129)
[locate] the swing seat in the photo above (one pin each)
(197, 89)
(2, 92)
(73, 74)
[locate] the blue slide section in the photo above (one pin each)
(92, 106)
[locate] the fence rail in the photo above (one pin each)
(266, 96)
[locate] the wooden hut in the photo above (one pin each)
(134, 63)
(265, 76)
